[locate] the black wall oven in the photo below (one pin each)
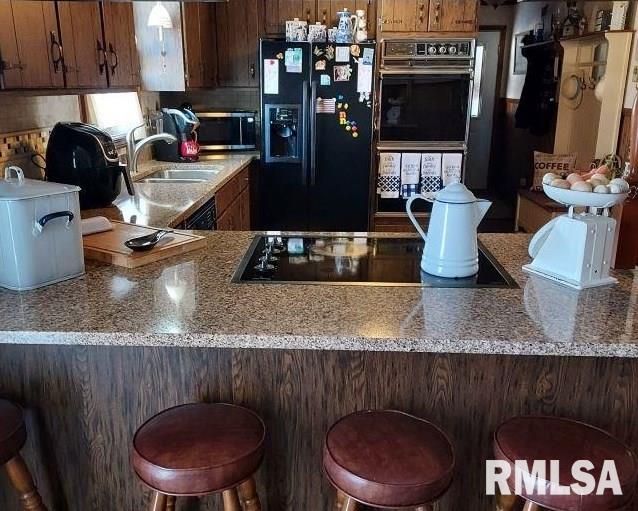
(227, 131)
(425, 93)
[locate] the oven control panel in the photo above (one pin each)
(427, 49)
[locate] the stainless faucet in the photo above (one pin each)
(133, 151)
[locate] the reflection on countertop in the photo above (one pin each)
(169, 204)
(190, 300)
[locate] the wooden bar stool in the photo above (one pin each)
(553, 438)
(13, 435)
(387, 459)
(199, 449)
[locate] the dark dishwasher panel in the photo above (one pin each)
(204, 219)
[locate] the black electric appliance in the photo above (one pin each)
(362, 260)
(182, 123)
(83, 155)
(226, 130)
(425, 93)
(316, 135)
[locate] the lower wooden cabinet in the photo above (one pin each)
(234, 203)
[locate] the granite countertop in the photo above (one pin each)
(190, 301)
(169, 204)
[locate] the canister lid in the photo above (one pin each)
(18, 187)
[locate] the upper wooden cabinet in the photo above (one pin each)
(85, 56)
(416, 16)
(453, 16)
(404, 15)
(239, 27)
(186, 57)
(123, 65)
(200, 51)
(78, 45)
(30, 50)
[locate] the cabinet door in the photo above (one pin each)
(200, 50)
(119, 36)
(238, 32)
(194, 67)
(453, 15)
(85, 55)
(280, 11)
(207, 32)
(244, 210)
(30, 45)
(404, 15)
(230, 220)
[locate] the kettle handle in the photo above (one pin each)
(355, 24)
(408, 209)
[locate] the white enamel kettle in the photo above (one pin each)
(451, 246)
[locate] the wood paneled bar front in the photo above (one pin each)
(83, 404)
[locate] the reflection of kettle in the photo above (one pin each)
(451, 246)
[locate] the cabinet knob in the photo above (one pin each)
(252, 70)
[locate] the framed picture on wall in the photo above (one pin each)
(520, 62)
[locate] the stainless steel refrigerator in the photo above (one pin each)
(316, 118)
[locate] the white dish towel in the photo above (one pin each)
(430, 174)
(452, 168)
(410, 173)
(389, 179)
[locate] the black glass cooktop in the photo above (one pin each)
(354, 260)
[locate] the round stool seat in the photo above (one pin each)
(13, 432)
(553, 438)
(388, 459)
(199, 448)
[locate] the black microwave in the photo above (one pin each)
(227, 131)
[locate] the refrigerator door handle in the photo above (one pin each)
(313, 133)
(304, 123)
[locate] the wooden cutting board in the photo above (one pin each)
(108, 246)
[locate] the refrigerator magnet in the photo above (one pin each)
(293, 60)
(355, 50)
(271, 76)
(318, 51)
(324, 80)
(342, 73)
(368, 56)
(320, 65)
(330, 52)
(343, 54)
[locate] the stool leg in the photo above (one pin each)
(170, 503)
(231, 500)
(22, 480)
(505, 502)
(530, 506)
(158, 501)
(339, 501)
(349, 504)
(248, 495)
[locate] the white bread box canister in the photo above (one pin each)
(40, 234)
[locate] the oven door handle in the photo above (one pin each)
(407, 72)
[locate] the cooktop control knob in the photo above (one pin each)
(431, 49)
(442, 49)
(452, 50)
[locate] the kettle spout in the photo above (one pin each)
(481, 207)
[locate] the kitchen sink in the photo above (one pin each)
(182, 176)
